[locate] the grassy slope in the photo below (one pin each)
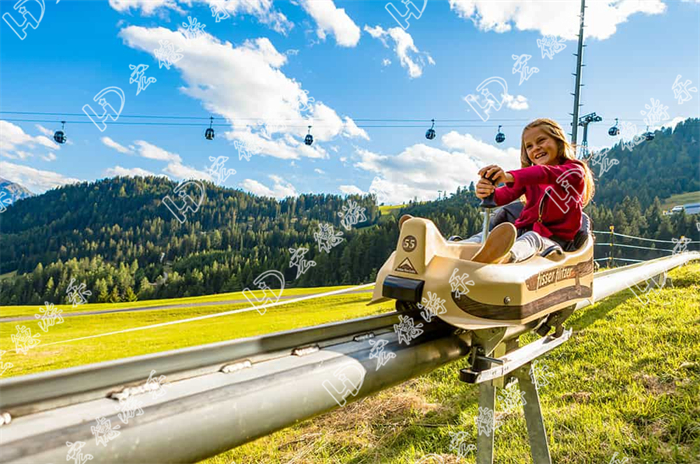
(10, 311)
(627, 382)
(294, 315)
(681, 199)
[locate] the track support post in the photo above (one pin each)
(539, 447)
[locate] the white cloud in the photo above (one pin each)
(515, 103)
(262, 10)
(350, 190)
(237, 82)
(331, 19)
(44, 130)
(34, 179)
(319, 171)
(562, 20)
(151, 151)
(280, 189)
(386, 62)
(409, 56)
(130, 172)
(49, 157)
(421, 170)
(12, 137)
(112, 144)
(179, 171)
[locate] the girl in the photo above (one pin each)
(556, 187)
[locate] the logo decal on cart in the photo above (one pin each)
(406, 266)
(409, 243)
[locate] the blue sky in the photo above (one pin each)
(361, 69)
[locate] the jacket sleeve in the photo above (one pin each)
(545, 174)
(505, 195)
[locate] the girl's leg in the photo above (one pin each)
(528, 245)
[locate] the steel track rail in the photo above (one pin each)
(226, 394)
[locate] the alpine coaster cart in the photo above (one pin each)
(503, 302)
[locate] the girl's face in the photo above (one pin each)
(541, 148)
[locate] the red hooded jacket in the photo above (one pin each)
(554, 198)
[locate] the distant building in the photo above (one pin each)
(692, 208)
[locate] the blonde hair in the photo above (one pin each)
(566, 151)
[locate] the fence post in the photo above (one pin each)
(612, 245)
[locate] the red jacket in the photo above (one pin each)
(554, 196)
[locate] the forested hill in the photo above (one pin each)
(665, 166)
(117, 236)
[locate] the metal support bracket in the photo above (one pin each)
(517, 362)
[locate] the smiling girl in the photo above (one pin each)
(556, 187)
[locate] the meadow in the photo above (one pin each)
(628, 382)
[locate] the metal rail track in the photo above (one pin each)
(225, 394)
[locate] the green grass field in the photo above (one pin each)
(12, 311)
(65, 354)
(680, 199)
(628, 382)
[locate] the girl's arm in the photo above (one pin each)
(543, 174)
(505, 195)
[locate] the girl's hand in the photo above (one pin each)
(484, 188)
(496, 173)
